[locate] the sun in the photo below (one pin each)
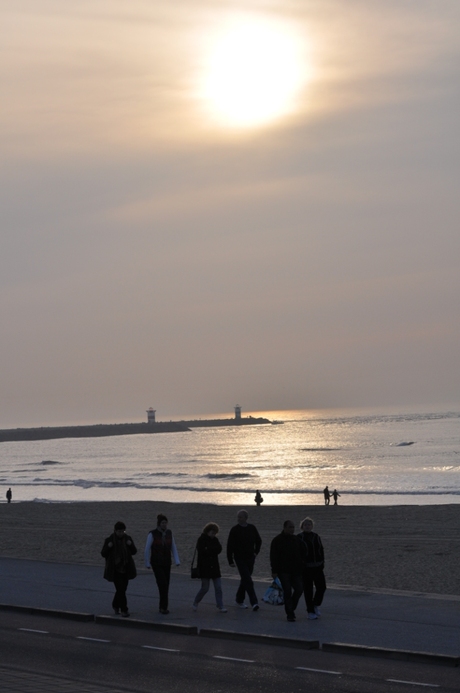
(254, 72)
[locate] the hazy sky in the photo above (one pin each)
(211, 202)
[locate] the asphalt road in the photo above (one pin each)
(48, 654)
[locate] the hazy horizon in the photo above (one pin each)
(169, 239)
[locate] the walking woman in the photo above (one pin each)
(157, 555)
(118, 551)
(312, 568)
(208, 548)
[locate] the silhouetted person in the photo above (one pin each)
(286, 564)
(9, 495)
(208, 548)
(157, 555)
(335, 495)
(258, 499)
(118, 551)
(312, 568)
(243, 545)
(327, 496)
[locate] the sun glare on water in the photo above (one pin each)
(254, 72)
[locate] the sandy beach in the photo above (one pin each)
(414, 548)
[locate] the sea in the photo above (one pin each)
(370, 457)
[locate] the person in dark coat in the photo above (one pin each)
(243, 545)
(9, 495)
(159, 546)
(312, 568)
(208, 548)
(286, 564)
(118, 551)
(327, 496)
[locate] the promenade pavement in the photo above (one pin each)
(385, 619)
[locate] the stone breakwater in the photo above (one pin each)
(100, 430)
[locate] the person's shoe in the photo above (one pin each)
(312, 616)
(194, 607)
(255, 607)
(317, 610)
(116, 612)
(223, 611)
(125, 614)
(291, 619)
(242, 605)
(164, 611)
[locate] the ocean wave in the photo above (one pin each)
(84, 483)
(319, 449)
(227, 476)
(49, 462)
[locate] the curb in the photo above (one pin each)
(256, 637)
(384, 653)
(71, 615)
(177, 628)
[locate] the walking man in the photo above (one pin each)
(327, 496)
(286, 563)
(243, 545)
(9, 495)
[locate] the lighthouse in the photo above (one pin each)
(237, 413)
(151, 415)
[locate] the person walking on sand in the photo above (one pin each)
(157, 555)
(258, 498)
(9, 495)
(208, 548)
(335, 495)
(286, 564)
(243, 545)
(312, 568)
(118, 551)
(327, 496)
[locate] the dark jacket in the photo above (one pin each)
(286, 554)
(208, 549)
(160, 551)
(119, 557)
(312, 550)
(243, 542)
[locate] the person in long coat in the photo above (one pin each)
(118, 551)
(208, 548)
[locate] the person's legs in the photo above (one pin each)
(162, 575)
(218, 592)
(307, 580)
(245, 568)
(202, 591)
(320, 586)
(297, 589)
(285, 579)
(121, 583)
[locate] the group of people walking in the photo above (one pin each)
(297, 560)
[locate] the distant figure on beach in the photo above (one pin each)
(286, 564)
(9, 495)
(327, 496)
(335, 495)
(118, 551)
(243, 545)
(312, 568)
(208, 548)
(157, 555)
(258, 498)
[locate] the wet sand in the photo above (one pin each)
(415, 548)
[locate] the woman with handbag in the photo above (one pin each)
(208, 548)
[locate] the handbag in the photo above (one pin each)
(274, 594)
(194, 573)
